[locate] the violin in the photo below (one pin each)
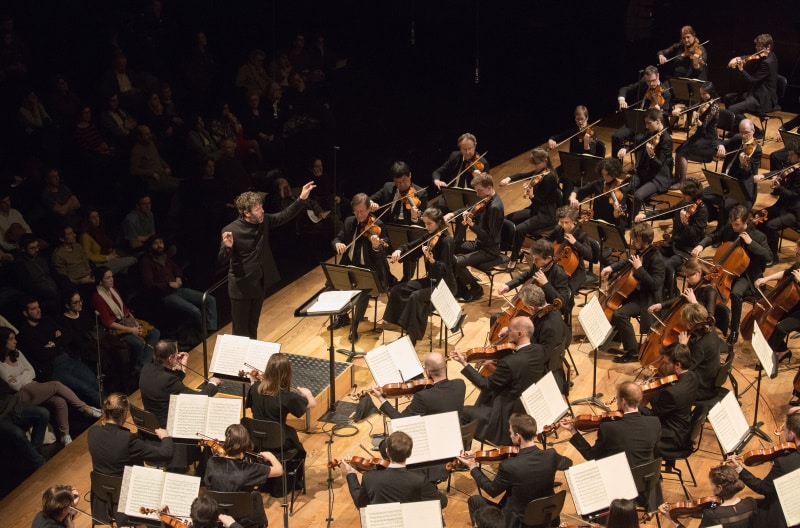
(475, 162)
(475, 209)
(492, 353)
(742, 62)
(428, 250)
(589, 422)
(649, 388)
(749, 148)
(361, 463)
(656, 96)
(411, 199)
(517, 308)
(255, 373)
(693, 508)
(370, 227)
(217, 448)
(169, 520)
(533, 182)
(759, 456)
(489, 455)
(694, 49)
(406, 389)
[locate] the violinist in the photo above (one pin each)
(689, 221)
(362, 242)
(502, 388)
(786, 210)
(648, 270)
(233, 473)
(585, 143)
(272, 398)
(396, 483)
(770, 513)
(654, 161)
(549, 331)
(733, 511)
(205, 514)
(487, 224)
(409, 302)
(673, 403)
(791, 321)
(754, 242)
(459, 161)
(569, 232)
(742, 160)
(409, 199)
(542, 186)
(701, 146)
(689, 56)
(622, 513)
(58, 507)
(529, 475)
(648, 92)
(545, 273)
(706, 347)
(759, 71)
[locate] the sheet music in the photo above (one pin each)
(229, 353)
(594, 323)
(544, 401)
(435, 436)
(187, 415)
(789, 496)
(259, 353)
(221, 413)
(395, 362)
(765, 354)
(179, 492)
(408, 515)
(332, 301)
(141, 487)
(447, 306)
(594, 484)
(729, 423)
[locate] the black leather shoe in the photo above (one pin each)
(733, 337)
(352, 336)
(627, 357)
(787, 357)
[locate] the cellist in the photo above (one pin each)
(648, 270)
(754, 242)
(569, 232)
(789, 322)
(705, 346)
(546, 274)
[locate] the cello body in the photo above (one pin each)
(732, 257)
(782, 299)
(620, 289)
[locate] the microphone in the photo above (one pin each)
(336, 147)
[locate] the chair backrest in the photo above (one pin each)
(725, 122)
(507, 233)
(724, 371)
(106, 488)
(237, 504)
(646, 476)
(780, 86)
(143, 418)
(543, 511)
(468, 434)
(266, 435)
(600, 150)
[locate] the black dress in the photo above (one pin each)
(232, 474)
(702, 146)
(740, 515)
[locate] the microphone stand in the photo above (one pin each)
(336, 206)
(284, 480)
(99, 365)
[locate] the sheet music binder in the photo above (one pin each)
(685, 89)
(458, 197)
(341, 277)
(727, 186)
(403, 234)
(579, 168)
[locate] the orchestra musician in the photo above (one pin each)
(396, 483)
(733, 511)
(568, 231)
(698, 291)
(409, 302)
(549, 330)
(701, 146)
(648, 270)
(786, 210)
(405, 210)
(487, 224)
(502, 388)
(779, 158)
(754, 242)
(790, 322)
(542, 187)
(760, 72)
(688, 228)
(705, 346)
(742, 161)
(232, 472)
(770, 513)
(545, 273)
(689, 56)
(205, 514)
(648, 92)
(529, 475)
(58, 507)
(654, 161)
(673, 403)
(458, 162)
(362, 242)
(585, 143)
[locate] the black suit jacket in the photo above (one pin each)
(557, 284)
(706, 350)
(525, 477)
(392, 485)
(444, 396)
(157, 384)
(673, 406)
(374, 260)
(762, 81)
(113, 447)
(388, 192)
(502, 388)
(770, 513)
(651, 282)
(550, 332)
(657, 169)
(454, 165)
(636, 435)
(733, 168)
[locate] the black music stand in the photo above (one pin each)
(634, 119)
(790, 138)
(458, 197)
(607, 234)
(755, 427)
(727, 187)
(302, 311)
(400, 234)
(579, 168)
(685, 89)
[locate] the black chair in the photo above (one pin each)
(266, 436)
(237, 504)
(500, 264)
(722, 376)
(542, 512)
(647, 478)
(725, 123)
(764, 117)
(672, 456)
(104, 492)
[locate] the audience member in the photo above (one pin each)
(252, 77)
(16, 419)
(148, 166)
(99, 247)
(33, 273)
(60, 200)
(119, 80)
(116, 123)
(70, 261)
(12, 223)
(199, 143)
(64, 103)
(139, 225)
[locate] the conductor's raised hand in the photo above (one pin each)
(307, 188)
(227, 239)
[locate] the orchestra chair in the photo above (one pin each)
(543, 511)
(672, 456)
(725, 125)
(144, 420)
(467, 436)
(266, 436)
(105, 489)
(500, 264)
(237, 504)
(647, 478)
(764, 117)
(725, 371)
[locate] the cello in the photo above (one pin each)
(768, 311)
(565, 255)
(734, 260)
(622, 285)
(518, 309)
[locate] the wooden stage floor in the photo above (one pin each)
(309, 337)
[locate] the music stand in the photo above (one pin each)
(685, 89)
(634, 119)
(579, 168)
(403, 234)
(790, 138)
(607, 234)
(458, 197)
(766, 360)
(727, 187)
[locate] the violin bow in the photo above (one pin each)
(778, 172)
(579, 132)
(400, 199)
(465, 170)
(422, 243)
(617, 188)
(346, 249)
(698, 105)
(665, 211)
(681, 54)
(764, 297)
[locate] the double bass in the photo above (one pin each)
(768, 311)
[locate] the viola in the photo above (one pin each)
(361, 463)
(406, 389)
(693, 508)
(760, 456)
(411, 199)
(769, 312)
(589, 422)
